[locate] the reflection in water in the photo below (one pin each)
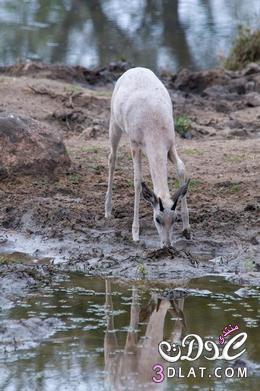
(106, 334)
(155, 33)
(132, 367)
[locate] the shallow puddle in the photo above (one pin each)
(83, 333)
(21, 258)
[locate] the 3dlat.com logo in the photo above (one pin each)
(194, 347)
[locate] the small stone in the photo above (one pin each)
(253, 99)
(254, 241)
(251, 69)
(90, 132)
(250, 207)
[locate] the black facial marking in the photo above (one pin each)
(158, 220)
(161, 205)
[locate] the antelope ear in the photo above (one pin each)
(149, 195)
(181, 192)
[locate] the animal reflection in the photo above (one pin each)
(131, 367)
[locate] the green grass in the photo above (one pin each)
(3, 260)
(249, 264)
(235, 158)
(74, 178)
(193, 185)
(234, 188)
(192, 152)
(73, 88)
(182, 125)
(130, 183)
(124, 156)
(142, 269)
(89, 149)
(246, 49)
(230, 187)
(97, 168)
(174, 183)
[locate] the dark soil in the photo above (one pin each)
(62, 215)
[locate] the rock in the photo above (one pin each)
(198, 130)
(254, 241)
(90, 132)
(251, 69)
(223, 107)
(253, 99)
(256, 81)
(119, 66)
(29, 147)
(234, 124)
(250, 207)
(199, 81)
(238, 86)
(237, 133)
(3, 172)
(246, 292)
(2, 196)
(216, 91)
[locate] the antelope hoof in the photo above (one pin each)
(186, 233)
(135, 236)
(108, 215)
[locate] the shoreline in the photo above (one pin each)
(63, 213)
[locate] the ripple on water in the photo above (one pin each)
(97, 332)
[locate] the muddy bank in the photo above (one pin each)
(17, 279)
(29, 148)
(62, 216)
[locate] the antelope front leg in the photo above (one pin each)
(114, 136)
(137, 161)
(111, 166)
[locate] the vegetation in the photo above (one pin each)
(90, 149)
(229, 187)
(3, 260)
(73, 178)
(246, 49)
(182, 125)
(235, 158)
(194, 183)
(192, 152)
(249, 265)
(234, 187)
(142, 270)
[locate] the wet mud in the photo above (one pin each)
(60, 216)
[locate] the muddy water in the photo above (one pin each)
(157, 34)
(83, 333)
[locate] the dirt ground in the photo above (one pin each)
(61, 217)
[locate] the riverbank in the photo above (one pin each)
(61, 216)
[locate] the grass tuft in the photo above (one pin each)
(246, 49)
(192, 152)
(183, 125)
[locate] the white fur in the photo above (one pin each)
(141, 107)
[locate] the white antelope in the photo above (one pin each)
(141, 106)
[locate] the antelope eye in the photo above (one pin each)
(158, 220)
